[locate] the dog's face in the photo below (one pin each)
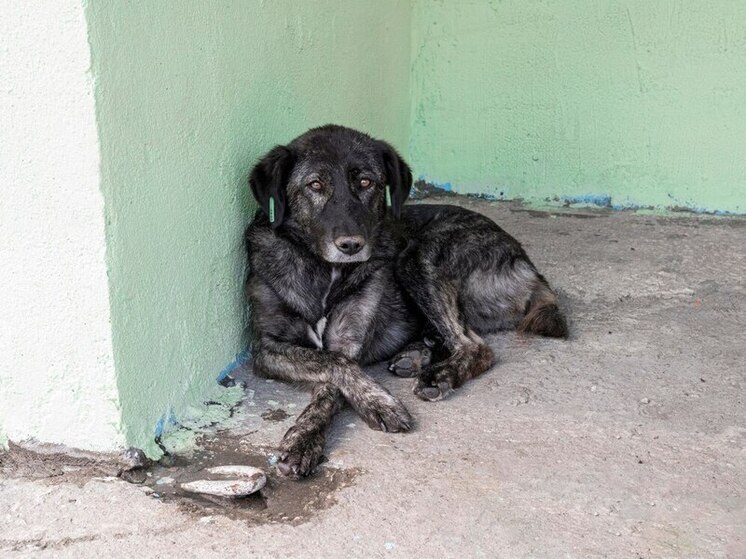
(329, 187)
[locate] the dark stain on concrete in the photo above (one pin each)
(280, 501)
(49, 463)
(275, 415)
(590, 213)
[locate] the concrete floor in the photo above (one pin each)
(626, 441)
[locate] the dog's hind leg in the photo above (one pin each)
(543, 316)
(467, 354)
(301, 448)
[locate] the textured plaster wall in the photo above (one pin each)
(615, 102)
(189, 94)
(57, 380)
(619, 102)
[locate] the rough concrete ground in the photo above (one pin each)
(626, 441)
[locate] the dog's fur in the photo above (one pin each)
(339, 280)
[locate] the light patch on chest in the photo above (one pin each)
(316, 333)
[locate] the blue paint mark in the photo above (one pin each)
(605, 201)
(167, 420)
(444, 186)
(602, 200)
(159, 427)
(389, 546)
(425, 186)
(241, 358)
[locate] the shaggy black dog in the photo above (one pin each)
(337, 280)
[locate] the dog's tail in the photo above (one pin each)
(543, 316)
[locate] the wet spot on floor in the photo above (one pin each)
(275, 415)
(280, 501)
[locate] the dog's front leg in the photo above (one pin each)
(377, 407)
(302, 446)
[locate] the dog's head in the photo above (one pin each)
(329, 186)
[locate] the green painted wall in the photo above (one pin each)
(640, 101)
(188, 95)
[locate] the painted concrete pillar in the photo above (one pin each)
(128, 131)
(57, 376)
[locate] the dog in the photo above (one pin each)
(339, 277)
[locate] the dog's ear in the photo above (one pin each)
(268, 181)
(398, 177)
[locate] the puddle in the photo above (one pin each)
(281, 499)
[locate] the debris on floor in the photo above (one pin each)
(232, 481)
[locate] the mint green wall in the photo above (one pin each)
(188, 95)
(642, 101)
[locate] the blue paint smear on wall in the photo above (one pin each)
(448, 188)
(606, 201)
(589, 199)
(602, 200)
(169, 419)
(241, 358)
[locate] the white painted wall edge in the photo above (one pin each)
(57, 377)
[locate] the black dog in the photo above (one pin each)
(337, 281)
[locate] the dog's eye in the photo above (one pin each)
(365, 183)
(315, 185)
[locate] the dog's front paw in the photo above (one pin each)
(382, 412)
(299, 454)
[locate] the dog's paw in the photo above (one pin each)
(432, 390)
(383, 412)
(410, 362)
(298, 456)
(438, 381)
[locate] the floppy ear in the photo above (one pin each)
(268, 181)
(398, 177)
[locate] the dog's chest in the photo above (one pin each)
(316, 331)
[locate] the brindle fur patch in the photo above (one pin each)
(321, 308)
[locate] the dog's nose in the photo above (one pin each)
(350, 245)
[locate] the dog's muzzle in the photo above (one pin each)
(347, 248)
